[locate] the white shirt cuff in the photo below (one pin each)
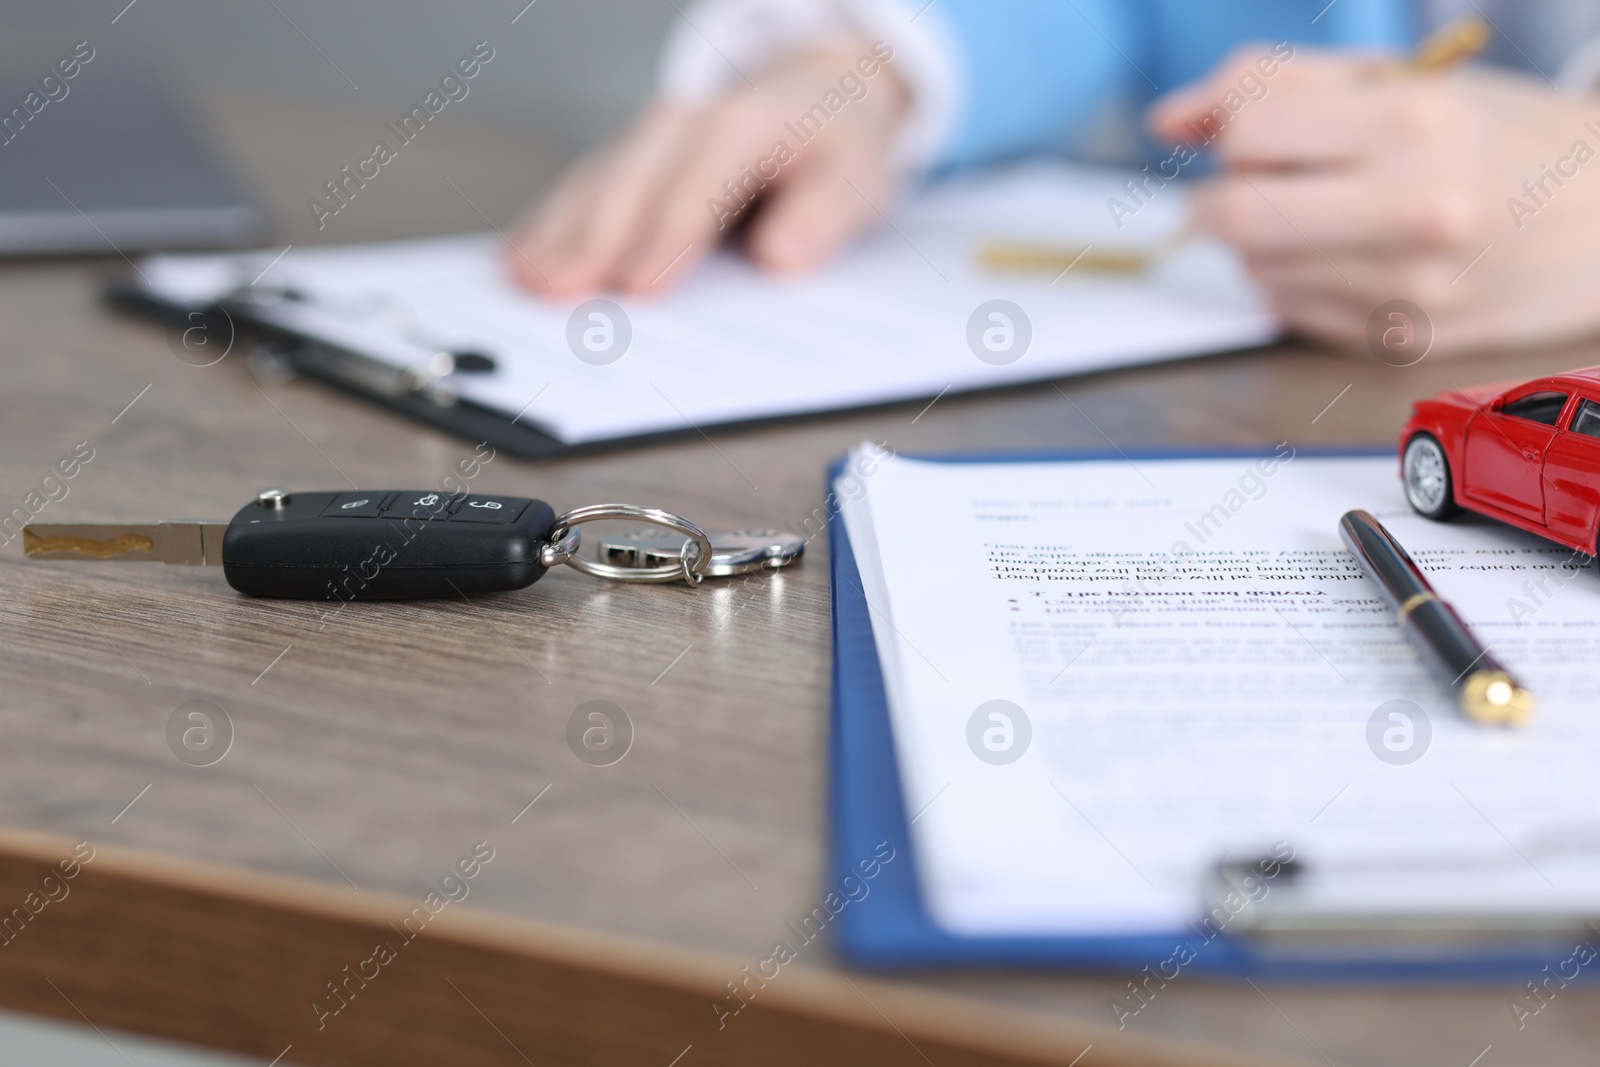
(721, 43)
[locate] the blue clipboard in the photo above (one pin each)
(889, 927)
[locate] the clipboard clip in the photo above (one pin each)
(1374, 906)
(428, 379)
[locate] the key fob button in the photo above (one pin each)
(423, 504)
(356, 505)
(489, 509)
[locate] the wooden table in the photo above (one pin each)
(373, 750)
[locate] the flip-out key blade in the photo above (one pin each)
(190, 542)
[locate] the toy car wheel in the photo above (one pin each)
(1426, 474)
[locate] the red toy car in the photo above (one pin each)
(1527, 454)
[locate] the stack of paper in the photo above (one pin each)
(1105, 677)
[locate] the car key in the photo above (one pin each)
(388, 544)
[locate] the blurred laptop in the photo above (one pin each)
(116, 165)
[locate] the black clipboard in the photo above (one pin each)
(351, 373)
(358, 375)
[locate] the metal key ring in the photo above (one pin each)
(690, 567)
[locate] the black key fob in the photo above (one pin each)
(384, 545)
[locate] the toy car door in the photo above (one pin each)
(1572, 477)
(1505, 452)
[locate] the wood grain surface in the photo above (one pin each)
(374, 749)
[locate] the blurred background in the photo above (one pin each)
(575, 67)
(322, 79)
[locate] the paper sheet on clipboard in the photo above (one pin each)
(905, 314)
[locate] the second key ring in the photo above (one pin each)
(691, 565)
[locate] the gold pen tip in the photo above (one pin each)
(1452, 43)
(1493, 697)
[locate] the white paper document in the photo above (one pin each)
(897, 317)
(1194, 667)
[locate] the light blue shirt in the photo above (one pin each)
(1040, 71)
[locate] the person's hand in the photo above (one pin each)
(639, 214)
(1346, 185)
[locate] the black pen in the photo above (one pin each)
(1484, 688)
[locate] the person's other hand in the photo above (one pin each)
(1346, 185)
(636, 216)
